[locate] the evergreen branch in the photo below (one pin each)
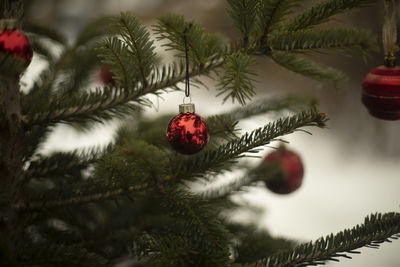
(94, 30)
(54, 254)
(104, 104)
(163, 250)
(57, 163)
(47, 80)
(237, 80)
(202, 47)
(291, 102)
(10, 66)
(44, 31)
(225, 125)
(67, 108)
(377, 228)
(34, 137)
(253, 242)
(114, 52)
(81, 107)
(309, 68)
(217, 160)
(210, 238)
(141, 48)
(176, 203)
(170, 75)
(123, 238)
(346, 40)
(261, 173)
(322, 11)
(135, 166)
(82, 198)
(209, 161)
(76, 70)
(272, 12)
(242, 14)
(171, 27)
(118, 230)
(222, 126)
(66, 72)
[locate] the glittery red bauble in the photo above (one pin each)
(187, 133)
(381, 92)
(16, 43)
(291, 176)
(106, 76)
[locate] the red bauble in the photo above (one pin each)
(381, 92)
(291, 176)
(16, 43)
(106, 76)
(187, 133)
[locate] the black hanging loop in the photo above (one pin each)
(187, 83)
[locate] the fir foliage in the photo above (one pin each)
(309, 68)
(237, 82)
(135, 169)
(134, 54)
(322, 12)
(10, 66)
(377, 228)
(347, 40)
(203, 47)
(94, 31)
(43, 31)
(61, 255)
(209, 238)
(260, 173)
(271, 14)
(291, 102)
(81, 107)
(134, 198)
(242, 14)
(218, 160)
(60, 162)
(270, 30)
(254, 242)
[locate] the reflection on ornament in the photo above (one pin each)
(187, 133)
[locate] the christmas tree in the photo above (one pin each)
(137, 198)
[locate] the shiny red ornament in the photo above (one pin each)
(16, 43)
(291, 176)
(106, 76)
(187, 133)
(381, 92)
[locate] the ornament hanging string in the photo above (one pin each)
(187, 132)
(389, 32)
(187, 83)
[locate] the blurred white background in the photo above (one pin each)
(351, 169)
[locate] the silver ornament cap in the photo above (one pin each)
(186, 108)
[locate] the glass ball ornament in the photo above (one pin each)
(381, 92)
(187, 132)
(106, 76)
(16, 43)
(291, 175)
